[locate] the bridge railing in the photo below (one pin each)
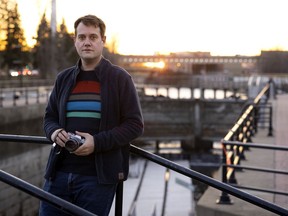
(38, 193)
(236, 166)
(21, 96)
(65, 206)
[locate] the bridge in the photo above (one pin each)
(193, 63)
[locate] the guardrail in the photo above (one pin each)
(24, 95)
(240, 167)
(38, 193)
(238, 139)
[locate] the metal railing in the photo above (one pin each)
(244, 128)
(38, 193)
(241, 167)
(238, 139)
(65, 206)
(21, 96)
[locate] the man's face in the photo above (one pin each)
(88, 42)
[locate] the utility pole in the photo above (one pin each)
(53, 38)
(53, 19)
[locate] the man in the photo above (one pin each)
(97, 101)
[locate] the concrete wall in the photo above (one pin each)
(189, 120)
(14, 114)
(165, 119)
(28, 166)
(218, 116)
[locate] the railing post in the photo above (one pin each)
(167, 177)
(1, 97)
(119, 199)
(202, 93)
(235, 92)
(255, 122)
(47, 94)
(157, 146)
(26, 96)
(224, 197)
(192, 93)
(270, 132)
(251, 126)
(232, 178)
(225, 92)
(14, 97)
(272, 89)
(250, 129)
(38, 95)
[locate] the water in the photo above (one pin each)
(27, 128)
(186, 93)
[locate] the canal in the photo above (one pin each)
(28, 128)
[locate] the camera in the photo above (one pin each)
(73, 142)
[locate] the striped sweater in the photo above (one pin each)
(83, 113)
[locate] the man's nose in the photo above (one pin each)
(87, 42)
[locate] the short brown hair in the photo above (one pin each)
(91, 20)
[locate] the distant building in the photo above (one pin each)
(273, 62)
(198, 63)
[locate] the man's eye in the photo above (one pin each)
(93, 37)
(81, 37)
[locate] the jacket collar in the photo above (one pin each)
(98, 70)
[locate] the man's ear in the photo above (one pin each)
(104, 39)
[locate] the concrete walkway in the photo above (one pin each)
(260, 158)
(281, 157)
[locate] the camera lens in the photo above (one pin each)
(73, 142)
(71, 145)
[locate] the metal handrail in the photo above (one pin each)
(238, 133)
(173, 166)
(59, 203)
(260, 146)
(20, 96)
(211, 182)
(255, 145)
(256, 169)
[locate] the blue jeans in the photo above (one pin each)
(83, 191)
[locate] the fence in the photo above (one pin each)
(24, 96)
(38, 193)
(238, 140)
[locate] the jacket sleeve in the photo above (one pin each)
(126, 114)
(51, 116)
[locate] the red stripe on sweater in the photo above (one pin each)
(87, 86)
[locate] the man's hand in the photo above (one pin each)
(87, 147)
(60, 137)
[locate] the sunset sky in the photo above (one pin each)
(222, 27)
